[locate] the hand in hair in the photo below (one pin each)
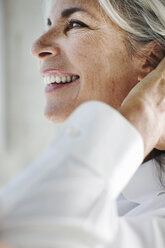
(144, 107)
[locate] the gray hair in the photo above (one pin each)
(143, 20)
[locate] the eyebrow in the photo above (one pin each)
(67, 12)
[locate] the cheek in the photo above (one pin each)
(93, 53)
(99, 59)
(83, 52)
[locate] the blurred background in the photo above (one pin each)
(24, 131)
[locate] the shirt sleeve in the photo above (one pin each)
(67, 198)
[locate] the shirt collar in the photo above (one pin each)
(145, 184)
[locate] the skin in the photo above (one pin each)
(148, 99)
(108, 72)
(98, 54)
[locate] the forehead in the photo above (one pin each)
(56, 6)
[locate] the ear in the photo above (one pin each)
(153, 53)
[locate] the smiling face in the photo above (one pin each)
(83, 56)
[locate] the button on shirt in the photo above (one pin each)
(88, 190)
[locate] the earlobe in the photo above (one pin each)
(147, 66)
(142, 75)
(153, 54)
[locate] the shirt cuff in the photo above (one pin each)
(105, 141)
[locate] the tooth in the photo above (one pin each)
(74, 78)
(64, 79)
(52, 79)
(47, 80)
(58, 79)
(68, 79)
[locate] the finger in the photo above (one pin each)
(161, 66)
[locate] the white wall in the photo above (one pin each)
(2, 77)
(28, 132)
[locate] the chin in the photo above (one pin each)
(55, 117)
(57, 113)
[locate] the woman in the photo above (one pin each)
(98, 61)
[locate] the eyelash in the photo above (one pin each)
(71, 22)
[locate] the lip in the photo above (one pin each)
(56, 71)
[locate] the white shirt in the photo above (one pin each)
(87, 190)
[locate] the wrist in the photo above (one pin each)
(142, 116)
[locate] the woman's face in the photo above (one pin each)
(82, 44)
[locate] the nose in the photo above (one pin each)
(44, 47)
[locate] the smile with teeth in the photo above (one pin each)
(52, 79)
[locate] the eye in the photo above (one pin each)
(71, 24)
